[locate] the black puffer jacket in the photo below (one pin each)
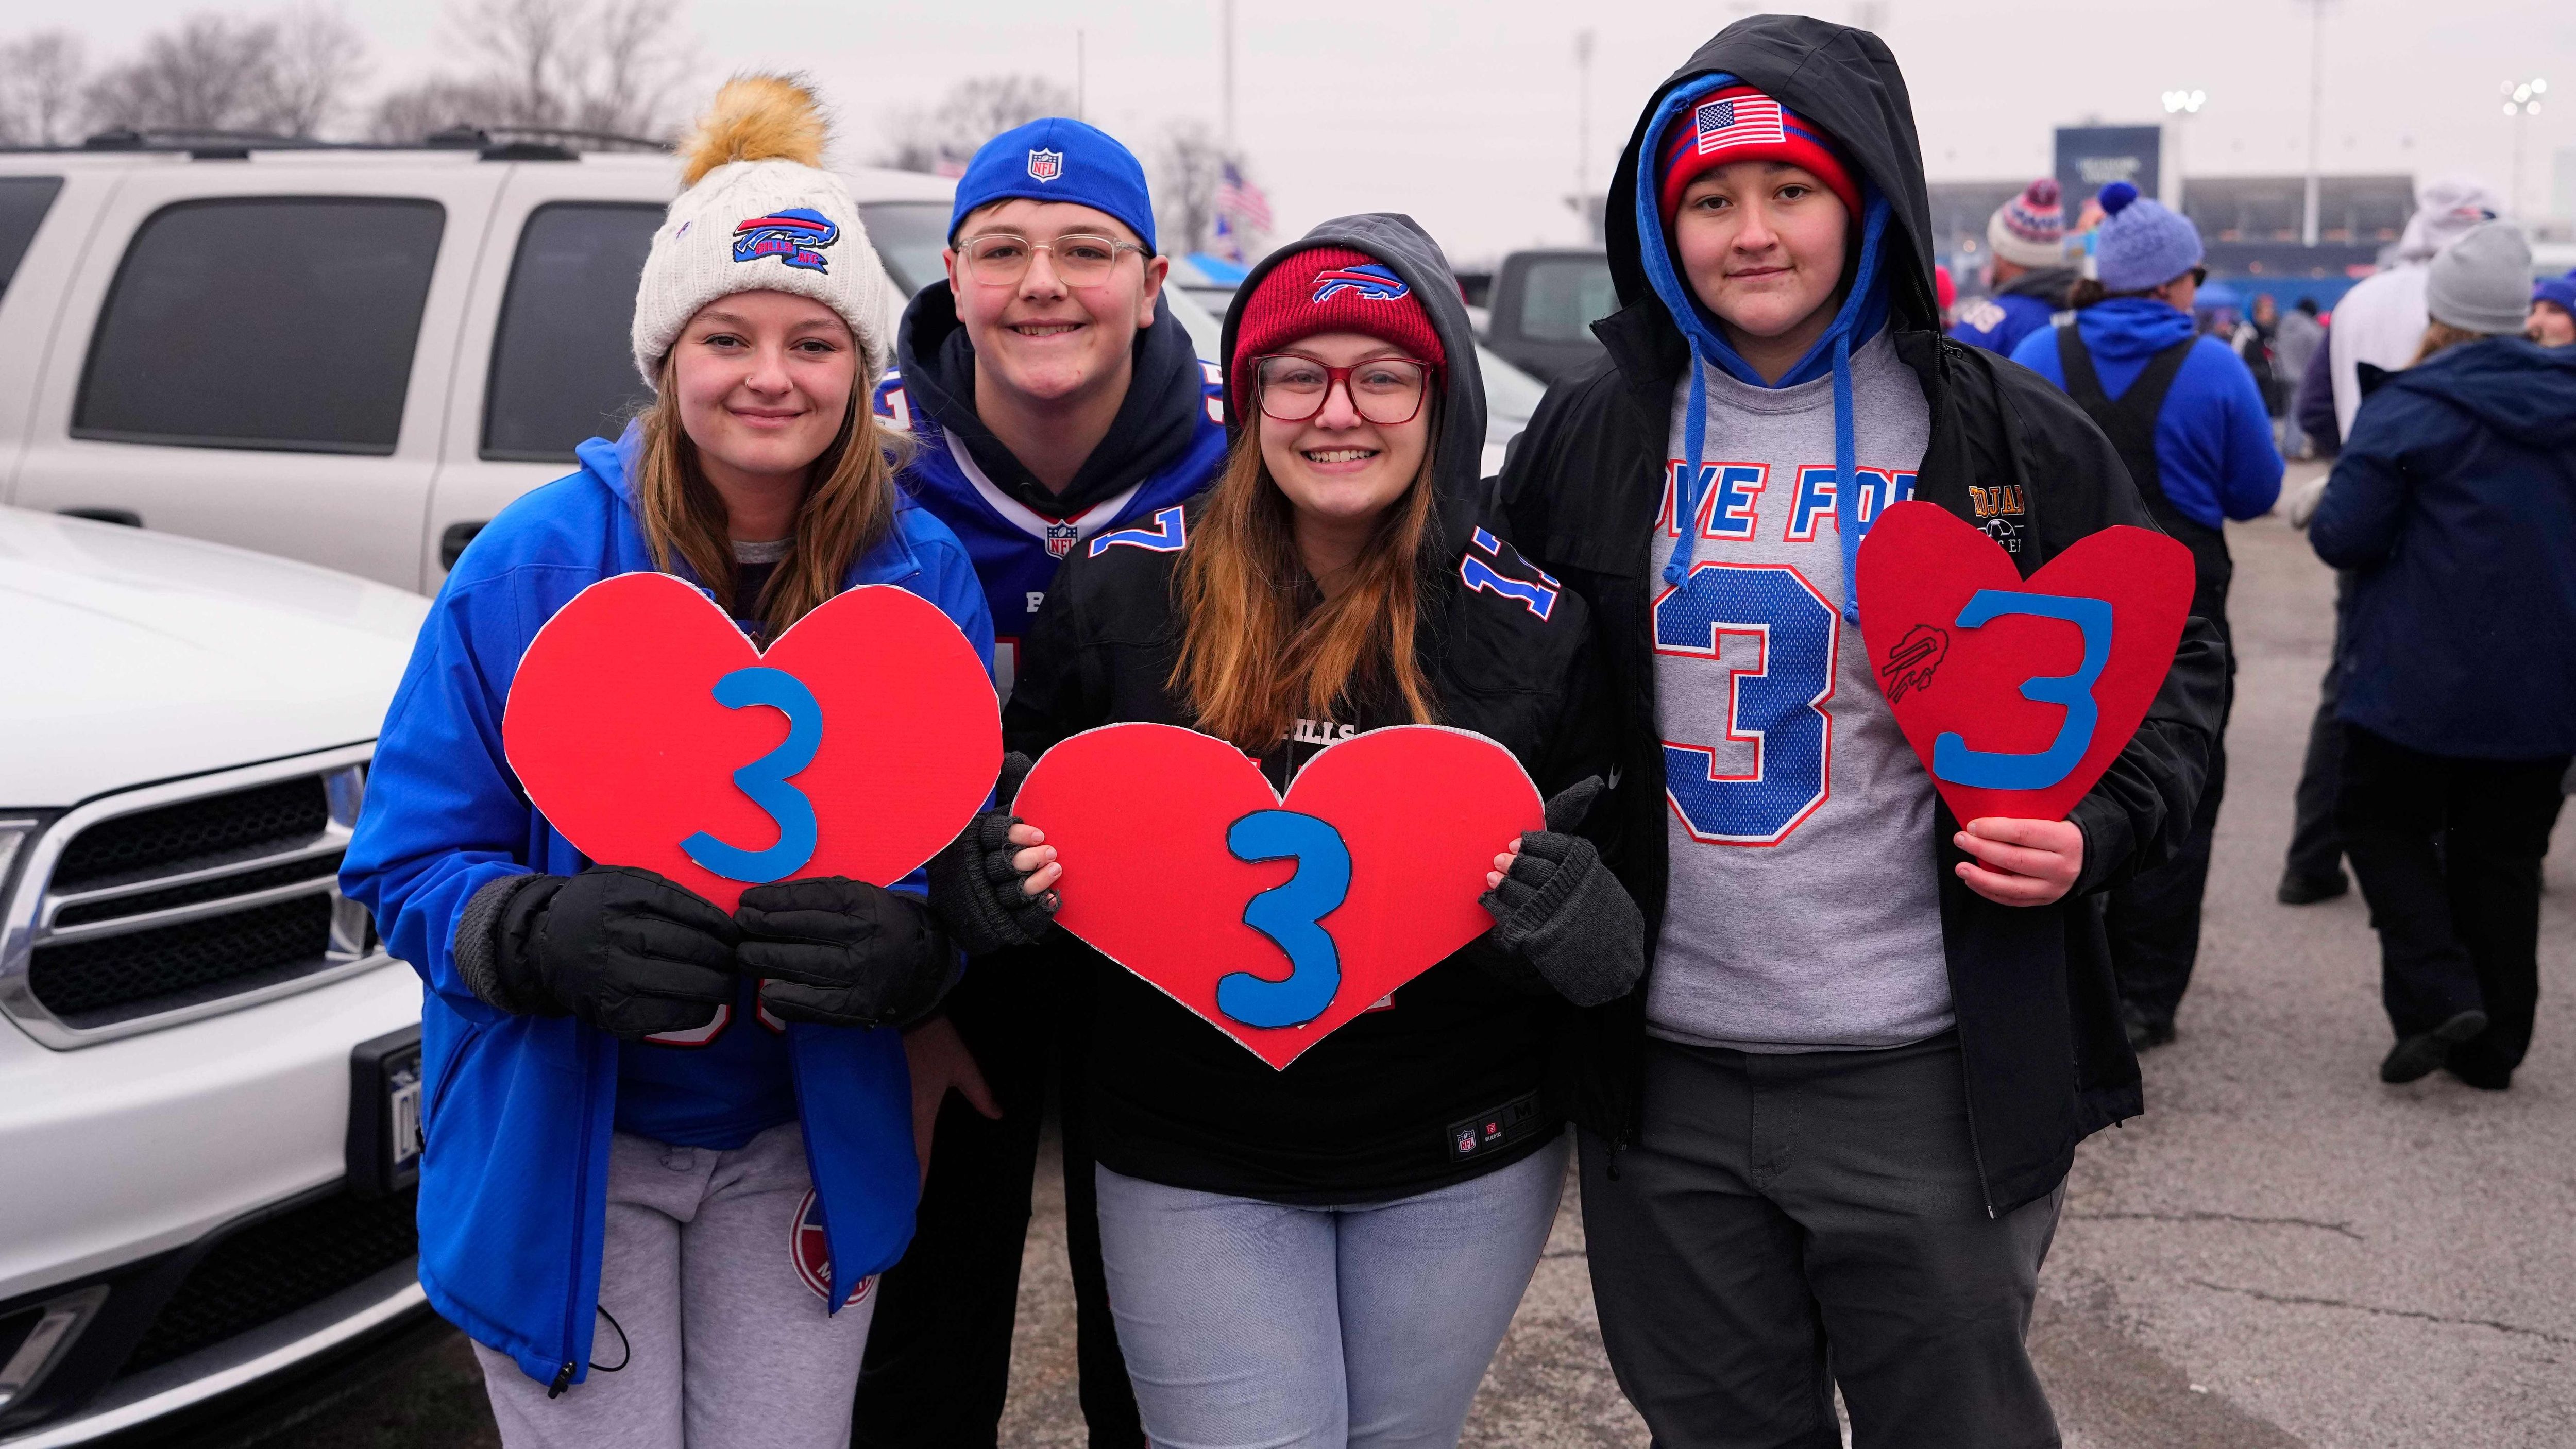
(1374, 1111)
(2038, 1014)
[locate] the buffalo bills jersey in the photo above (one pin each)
(1017, 549)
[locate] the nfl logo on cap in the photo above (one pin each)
(1045, 165)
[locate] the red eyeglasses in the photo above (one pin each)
(1384, 390)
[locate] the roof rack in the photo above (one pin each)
(493, 143)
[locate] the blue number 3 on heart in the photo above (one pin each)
(1291, 914)
(1774, 702)
(765, 780)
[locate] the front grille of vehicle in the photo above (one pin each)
(194, 897)
(276, 1266)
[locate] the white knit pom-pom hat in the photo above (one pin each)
(758, 213)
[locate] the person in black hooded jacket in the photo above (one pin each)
(1824, 1141)
(1329, 1253)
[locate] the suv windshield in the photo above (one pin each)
(1563, 296)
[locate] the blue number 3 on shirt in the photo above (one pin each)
(1773, 702)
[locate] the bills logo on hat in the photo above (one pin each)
(1369, 282)
(812, 1254)
(1045, 165)
(796, 236)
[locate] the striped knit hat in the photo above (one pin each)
(2030, 229)
(1734, 123)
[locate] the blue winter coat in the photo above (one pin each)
(517, 1110)
(2214, 453)
(2455, 503)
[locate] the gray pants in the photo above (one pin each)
(1784, 1223)
(714, 1275)
(1253, 1325)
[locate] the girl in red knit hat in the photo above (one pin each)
(1329, 1254)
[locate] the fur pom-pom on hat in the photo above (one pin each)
(758, 213)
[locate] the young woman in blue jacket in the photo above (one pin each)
(654, 1193)
(2191, 425)
(2454, 504)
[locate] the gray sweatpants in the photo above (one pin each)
(714, 1275)
(1786, 1223)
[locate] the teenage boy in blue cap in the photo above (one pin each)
(1052, 395)
(1825, 1140)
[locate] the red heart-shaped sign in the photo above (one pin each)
(632, 724)
(1277, 920)
(2018, 693)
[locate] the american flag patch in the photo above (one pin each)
(1739, 121)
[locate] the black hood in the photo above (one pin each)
(1154, 426)
(1842, 79)
(1400, 243)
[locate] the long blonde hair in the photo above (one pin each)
(848, 509)
(1259, 644)
(2440, 335)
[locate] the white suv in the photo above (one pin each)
(207, 1065)
(345, 355)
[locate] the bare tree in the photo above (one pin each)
(1189, 166)
(40, 89)
(285, 74)
(943, 136)
(318, 55)
(609, 66)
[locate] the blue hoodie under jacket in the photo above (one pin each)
(517, 1110)
(2214, 453)
(2455, 502)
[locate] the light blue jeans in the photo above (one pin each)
(1249, 1325)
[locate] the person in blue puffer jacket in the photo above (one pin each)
(654, 1192)
(2190, 422)
(2454, 504)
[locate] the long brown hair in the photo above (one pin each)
(2439, 335)
(848, 509)
(1259, 641)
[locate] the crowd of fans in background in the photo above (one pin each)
(2444, 387)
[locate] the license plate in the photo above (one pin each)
(384, 1114)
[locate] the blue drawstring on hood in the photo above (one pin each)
(1862, 315)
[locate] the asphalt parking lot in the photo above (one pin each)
(2282, 1252)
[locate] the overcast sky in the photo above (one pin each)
(1467, 115)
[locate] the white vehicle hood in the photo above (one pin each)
(132, 656)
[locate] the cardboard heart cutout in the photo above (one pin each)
(651, 733)
(2016, 693)
(1182, 865)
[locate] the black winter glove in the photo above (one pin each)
(843, 952)
(628, 951)
(1562, 912)
(973, 885)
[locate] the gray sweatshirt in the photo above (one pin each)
(1804, 913)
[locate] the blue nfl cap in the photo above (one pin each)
(1057, 159)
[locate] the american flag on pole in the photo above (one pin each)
(1245, 202)
(1739, 121)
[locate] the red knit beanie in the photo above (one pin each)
(1739, 123)
(1327, 289)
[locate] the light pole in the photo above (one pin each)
(2183, 105)
(2316, 110)
(2522, 102)
(1582, 114)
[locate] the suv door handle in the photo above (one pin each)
(124, 516)
(451, 544)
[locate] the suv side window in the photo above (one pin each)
(1563, 296)
(282, 323)
(23, 203)
(562, 367)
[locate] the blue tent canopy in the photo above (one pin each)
(1218, 270)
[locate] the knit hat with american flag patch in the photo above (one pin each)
(1734, 123)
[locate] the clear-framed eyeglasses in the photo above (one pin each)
(1000, 259)
(1384, 390)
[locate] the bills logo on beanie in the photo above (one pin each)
(796, 236)
(1326, 289)
(1738, 123)
(1370, 282)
